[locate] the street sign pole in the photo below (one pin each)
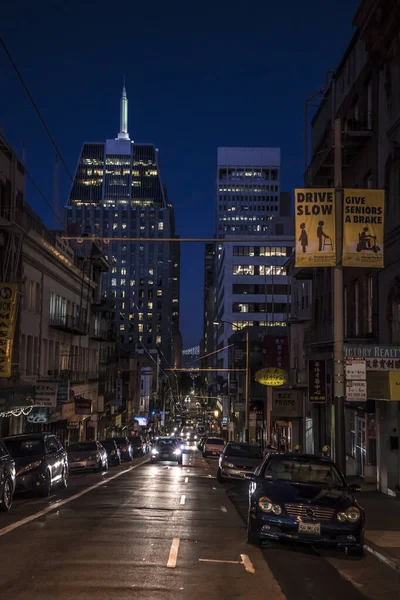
(338, 419)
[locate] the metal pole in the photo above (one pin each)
(337, 422)
(246, 423)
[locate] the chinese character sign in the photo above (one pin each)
(315, 227)
(8, 310)
(316, 381)
(276, 351)
(363, 221)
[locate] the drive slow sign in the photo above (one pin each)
(286, 403)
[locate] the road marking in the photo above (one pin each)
(228, 562)
(173, 554)
(60, 503)
(186, 479)
(183, 499)
(246, 562)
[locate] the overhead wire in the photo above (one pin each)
(35, 106)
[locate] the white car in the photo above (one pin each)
(213, 446)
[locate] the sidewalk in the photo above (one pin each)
(382, 524)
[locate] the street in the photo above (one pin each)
(164, 531)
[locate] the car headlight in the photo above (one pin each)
(113, 452)
(341, 517)
(30, 467)
(92, 457)
(352, 514)
(195, 437)
(276, 509)
(177, 451)
(265, 504)
(228, 464)
(154, 451)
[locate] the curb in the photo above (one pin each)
(383, 555)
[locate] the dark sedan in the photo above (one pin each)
(7, 478)
(113, 452)
(166, 449)
(304, 498)
(237, 460)
(41, 461)
(125, 447)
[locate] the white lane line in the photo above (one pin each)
(173, 554)
(183, 499)
(186, 479)
(248, 565)
(228, 562)
(60, 503)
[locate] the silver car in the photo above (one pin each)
(238, 460)
(87, 455)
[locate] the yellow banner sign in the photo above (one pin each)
(271, 376)
(315, 227)
(363, 216)
(8, 312)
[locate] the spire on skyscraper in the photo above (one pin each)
(123, 131)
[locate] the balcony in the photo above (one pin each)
(68, 323)
(102, 330)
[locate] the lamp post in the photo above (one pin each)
(246, 413)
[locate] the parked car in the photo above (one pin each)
(213, 446)
(125, 448)
(7, 478)
(138, 445)
(304, 498)
(87, 455)
(41, 461)
(166, 449)
(113, 452)
(237, 460)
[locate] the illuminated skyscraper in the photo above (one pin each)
(117, 192)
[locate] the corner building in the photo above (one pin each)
(118, 193)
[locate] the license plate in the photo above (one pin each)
(215, 452)
(311, 528)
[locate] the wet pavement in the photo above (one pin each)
(163, 531)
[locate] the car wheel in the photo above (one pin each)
(64, 478)
(45, 488)
(219, 476)
(252, 537)
(99, 465)
(6, 496)
(106, 465)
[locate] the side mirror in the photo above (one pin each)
(355, 488)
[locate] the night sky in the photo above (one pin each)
(199, 75)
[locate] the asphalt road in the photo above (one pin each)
(163, 531)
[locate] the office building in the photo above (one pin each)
(118, 193)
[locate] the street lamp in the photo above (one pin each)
(216, 414)
(246, 414)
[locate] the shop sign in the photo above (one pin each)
(118, 420)
(39, 415)
(118, 392)
(363, 223)
(377, 358)
(270, 376)
(287, 403)
(394, 385)
(239, 407)
(317, 392)
(315, 227)
(73, 425)
(46, 393)
(83, 406)
(277, 351)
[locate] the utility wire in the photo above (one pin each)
(36, 108)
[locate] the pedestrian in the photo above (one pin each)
(303, 239)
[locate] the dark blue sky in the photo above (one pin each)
(199, 75)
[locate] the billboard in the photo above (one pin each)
(315, 227)
(317, 392)
(363, 221)
(8, 313)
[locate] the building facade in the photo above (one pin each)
(364, 95)
(118, 193)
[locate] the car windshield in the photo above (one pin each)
(166, 443)
(19, 448)
(120, 440)
(136, 440)
(82, 447)
(215, 441)
(303, 471)
(243, 451)
(108, 444)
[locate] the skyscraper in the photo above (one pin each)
(118, 193)
(252, 287)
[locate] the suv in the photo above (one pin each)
(41, 461)
(213, 446)
(7, 478)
